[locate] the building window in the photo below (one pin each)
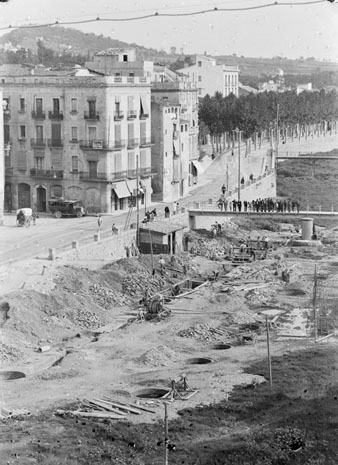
(38, 105)
(74, 133)
(92, 108)
(199, 64)
(75, 164)
(22, 105)
(39, 163)
(166, 154)
(182, 128)
(125, 57)
(56, 106)
(39, 132)
(6, 134)
(74, 105)
(182, 147)
(92, 169)
(22, 132)
(199, 78)
(186, 128)
(56, 191)
(200, 91)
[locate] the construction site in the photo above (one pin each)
(220, 353)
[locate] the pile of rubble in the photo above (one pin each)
(140, 282)
(85, 318)
(107, 298)
(207, 248)
(9, 354)
(159, 356)
(205, 332)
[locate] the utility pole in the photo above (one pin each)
(137, 208)
(239, 165)
(166, 433)
(268, 344)
(227, 178)
(277, 130)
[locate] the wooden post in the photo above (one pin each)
(268, 345)
(166, 438)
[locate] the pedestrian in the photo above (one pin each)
(242, 181)
(99, 222)
(223, 189)
(175, 207)
(161, 262)
(113, 229)
(251, 177)
(166, 212)
(232, 153)
(34, 216)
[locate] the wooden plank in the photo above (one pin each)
(124, 407)
(106, 407)
(78, 413)
(140, 407)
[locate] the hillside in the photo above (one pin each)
(61, 39)
(269, 66)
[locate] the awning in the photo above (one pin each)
(144, 105)
(198, 166)
(121, 189)
(132, 186)
(176, 146)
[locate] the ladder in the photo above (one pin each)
(128, 218)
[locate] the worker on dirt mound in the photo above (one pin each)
(161, 262)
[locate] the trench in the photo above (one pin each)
(11, 375)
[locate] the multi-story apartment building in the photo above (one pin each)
(82, 134)
(211, 77)
(174, 113)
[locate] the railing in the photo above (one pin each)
(132, 114)
(118, 144)
(57, 143)
(58, 115)
(132, 143)
(144, 115)
(132, 173)
(93, 144)
(145, 142)
(9, 170)
(38, 114)
(86, 175)
(37, 173)
(38, 142)
(119, 175)
(118, 115)
(94, 115)
(145, 171)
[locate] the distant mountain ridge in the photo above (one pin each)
(62, 39)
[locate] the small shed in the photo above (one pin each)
(162, 237)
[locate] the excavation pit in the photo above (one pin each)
(249, 327)
(152, 393)
(198, 361)
(11, 375)
(220, 347)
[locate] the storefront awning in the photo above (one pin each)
(121, 189)
(198, 165)
(132, 186)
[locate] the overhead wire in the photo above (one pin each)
(157, 14)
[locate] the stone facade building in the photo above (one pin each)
(211, 77)
(174, 119)
(83, 134)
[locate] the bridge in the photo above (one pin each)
(203, 214)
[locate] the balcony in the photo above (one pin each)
(118, 144)
(118, 115)
(55, 115)
(132, 173)
(132, 114)
(145, 171)
(118, 175)
(46, 174)
(91, 115)
(38, 114)
(132, 143)
(88, 176)
(144, 115)
(7, 115)
(9, 171)
(55, 143)
(38, 142)
(145, 142)
(93, 145)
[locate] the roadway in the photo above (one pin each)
(18, 243)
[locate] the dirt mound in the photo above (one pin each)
(159, 356)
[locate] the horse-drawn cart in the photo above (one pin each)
(24, 217)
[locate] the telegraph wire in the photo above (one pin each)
(157, 14)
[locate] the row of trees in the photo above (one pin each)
(254, 113)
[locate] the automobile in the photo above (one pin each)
(61, 207)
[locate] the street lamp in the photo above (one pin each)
(239, 163)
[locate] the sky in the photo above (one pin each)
(290, 31)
